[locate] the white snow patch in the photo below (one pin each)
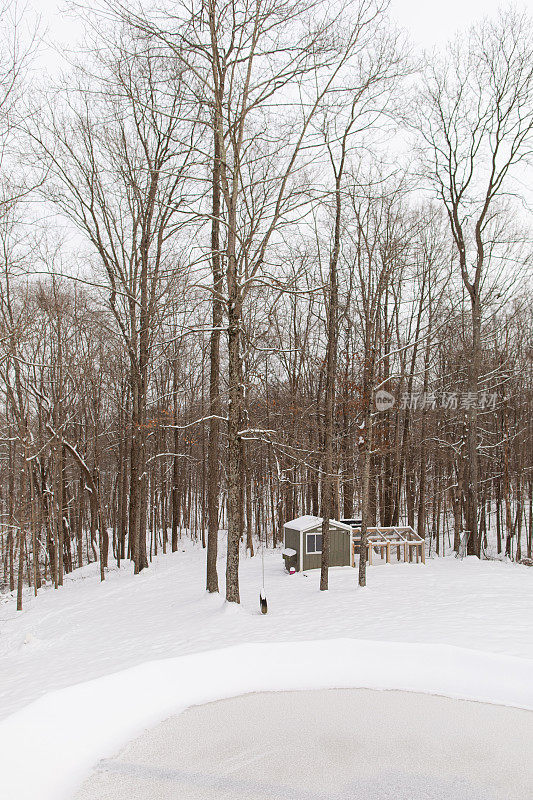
(63, 734)
(407, 630)
(289, 552)
(88, 629)
(308, 521)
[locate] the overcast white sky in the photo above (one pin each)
(432, 22)
(429, 22)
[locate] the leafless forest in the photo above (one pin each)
(224, 228)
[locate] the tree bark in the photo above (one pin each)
(213, 467)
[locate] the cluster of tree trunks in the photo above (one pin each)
(252, 272)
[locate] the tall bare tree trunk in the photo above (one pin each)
(213, 467)
(474, 540)
(235, 497)
(328, 479)
(367, 442)
(365, 492)
(20, 576)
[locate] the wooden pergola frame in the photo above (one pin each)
(402, 537)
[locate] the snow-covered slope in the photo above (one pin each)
(86, 629)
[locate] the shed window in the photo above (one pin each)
(314, 542)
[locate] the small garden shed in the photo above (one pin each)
(303, 543)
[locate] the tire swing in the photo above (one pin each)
(263, 605)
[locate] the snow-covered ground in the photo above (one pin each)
(326, 745)
(101, 663)
(52, 744)
(88, 629)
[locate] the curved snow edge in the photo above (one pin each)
(49, 746)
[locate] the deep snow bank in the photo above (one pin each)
(86, 629)
(48, 746)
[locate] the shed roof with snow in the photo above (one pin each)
(303, 536)
(309, 522)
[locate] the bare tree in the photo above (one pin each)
(476, 120)
(122, 184)
(245, 61)
(379, 61)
